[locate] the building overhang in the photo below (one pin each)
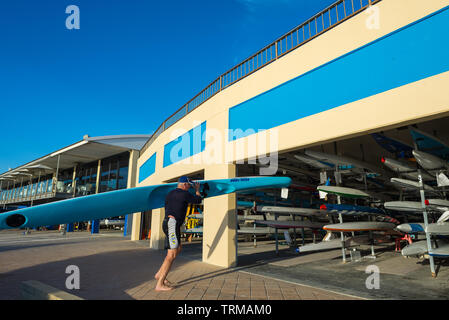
(85, 151)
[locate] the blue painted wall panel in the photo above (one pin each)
(410, 54)
(148, 168)
(186, 145)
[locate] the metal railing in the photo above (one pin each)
(322, 22)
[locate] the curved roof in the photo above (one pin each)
(87, 150)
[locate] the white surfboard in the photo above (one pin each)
(409, 184)
(429, 161)
(441, 252)
(405, 169)
(415, 249)
(359, 226)
(336, 243)
(439, 203)
(342, 160)
(420, 247)
(307, 212)
(257, 230)
(242, 230)
(344, 192)
(323, 245)
(313, 162)
(441, 228)
(415, 206)
(291, 224)
(408, 206)
(251, 217)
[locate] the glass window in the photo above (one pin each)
(65, 179)
(39, 187)
(91, 187)
(105, 176)
(123, 178)
(86, 179)
(50, 185)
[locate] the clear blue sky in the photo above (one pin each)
(130, 65)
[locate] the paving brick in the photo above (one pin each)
(226, 297)
(275, 297)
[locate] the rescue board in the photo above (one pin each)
(127, 201)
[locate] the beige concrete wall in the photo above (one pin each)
(424, 99)
(344, 38)
(420, 101)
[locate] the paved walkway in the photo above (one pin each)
(199, 281)
(112, 267)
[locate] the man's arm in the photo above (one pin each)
(197, 198)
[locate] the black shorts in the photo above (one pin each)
(172, 230)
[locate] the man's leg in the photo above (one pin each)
(174, 243)
(165, 268)
(157, 276)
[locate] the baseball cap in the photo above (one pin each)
(185, 179)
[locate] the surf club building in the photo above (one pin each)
(359, 67)
(90, 166)
(356, 72)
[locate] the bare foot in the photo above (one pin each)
(163, 288)
(166, 282)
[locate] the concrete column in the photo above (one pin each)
(95, 224)
(132, 168)
(97, 186)
(157, 240)
(132, 182)
(135, 229)
(74, 180)
(220, 221)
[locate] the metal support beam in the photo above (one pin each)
(74, 180)
(95, 224)
(426, 223)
